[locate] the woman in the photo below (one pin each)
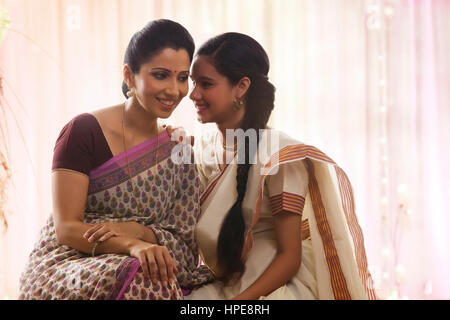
(276, 227)
(124, 213)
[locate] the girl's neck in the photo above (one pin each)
(228, 125)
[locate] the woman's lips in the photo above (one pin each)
(167, 104)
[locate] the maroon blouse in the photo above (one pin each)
(81, 145)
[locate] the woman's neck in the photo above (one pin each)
(140, 120)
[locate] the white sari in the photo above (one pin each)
(334, 263)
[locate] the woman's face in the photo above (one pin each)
(213, 94)
(163, 81)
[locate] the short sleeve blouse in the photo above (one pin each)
(81, 145)
(287, 188)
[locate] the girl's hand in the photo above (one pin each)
(178, 134)
(154, 257)
(104, 231)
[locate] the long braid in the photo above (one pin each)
(236, 56)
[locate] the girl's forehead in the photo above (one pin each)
(203, 65)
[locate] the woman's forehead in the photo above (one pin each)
(170, 59)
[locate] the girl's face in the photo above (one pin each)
(213, 94)
(162, 82)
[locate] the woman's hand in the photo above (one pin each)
(154, 257)
(104, 231)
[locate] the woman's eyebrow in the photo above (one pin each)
(168, 70)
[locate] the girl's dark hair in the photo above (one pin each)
(235, 56)
(156, 36)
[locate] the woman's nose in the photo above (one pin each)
(172, 89)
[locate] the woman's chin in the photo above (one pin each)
(164, 113)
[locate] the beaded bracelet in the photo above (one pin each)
(94, 247)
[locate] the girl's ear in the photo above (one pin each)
(242, 87)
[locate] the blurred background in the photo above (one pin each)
(365, 81)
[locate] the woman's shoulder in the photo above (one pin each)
(85, 126)
(81, 124)
(108, 118)
(83, 121)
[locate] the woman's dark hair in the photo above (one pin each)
(235, 56)
(156, 36)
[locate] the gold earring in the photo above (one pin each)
(237, 103)
(131, 93)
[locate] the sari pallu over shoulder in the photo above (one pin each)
(329, 218)
(169, 194)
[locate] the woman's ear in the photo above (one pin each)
(242, 87)
(128, 76)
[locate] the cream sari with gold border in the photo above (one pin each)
(334, 263)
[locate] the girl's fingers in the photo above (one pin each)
(169, 129)
(91, 230)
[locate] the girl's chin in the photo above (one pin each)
(202, 119)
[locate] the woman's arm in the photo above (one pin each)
(69, 198)
(69, 190)
(105, 230)
(286, 262)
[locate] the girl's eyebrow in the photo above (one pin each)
(204, 78)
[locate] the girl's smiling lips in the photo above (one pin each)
(201, 107)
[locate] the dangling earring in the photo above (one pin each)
(131, 93)
(237, 103)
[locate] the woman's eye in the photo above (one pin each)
(159, 76)
(183, 78)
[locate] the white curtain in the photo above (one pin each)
(365, 81)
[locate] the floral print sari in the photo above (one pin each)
(169, 193)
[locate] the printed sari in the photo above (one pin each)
(334, 263)
(169, 193)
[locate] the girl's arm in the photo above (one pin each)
(286, 262)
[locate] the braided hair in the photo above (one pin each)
(235, 56)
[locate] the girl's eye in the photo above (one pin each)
(206, 85)
(159, 76)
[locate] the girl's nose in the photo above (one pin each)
(194, 94)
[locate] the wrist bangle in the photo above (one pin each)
(94, 247)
